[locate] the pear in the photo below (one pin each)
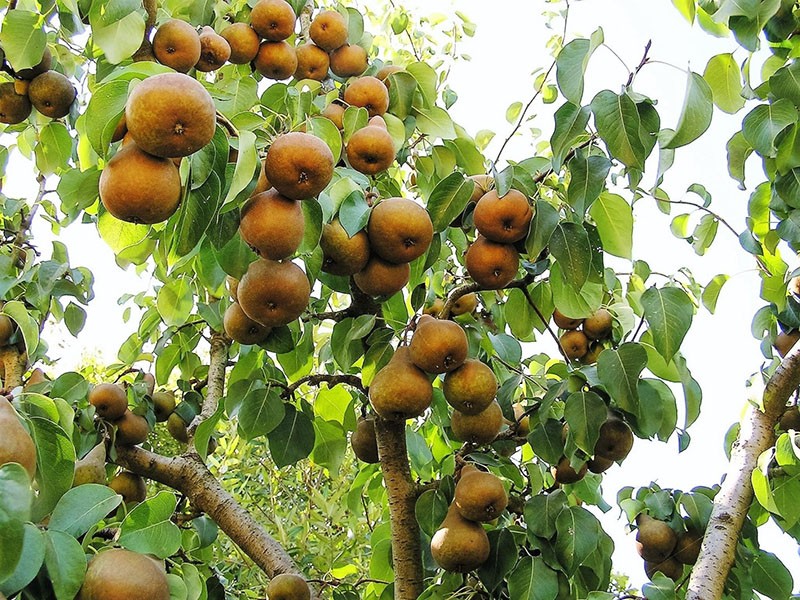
(598, 464)
(790, 419)
(109, 400)
(598, 325)
(130, 486)
(465, 304)
(400, 230)
(342, 254)
(564, 473)
(669, 567)
(132, 429)
(615, 440)
(523, 420)
(92, 467)
(363, 441)
(163, 405)
(687, 548)
(288, 586)
(480, 496)
(16, 444)
(565, 322)
(438, 346)
(655, 540)
(119, 574)
(459, 545)
(478, 429)
(400, 390)
(574, 343)
(177, 428)
(471, 387)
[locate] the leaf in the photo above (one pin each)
(546, 441)
(29, 327)
(687, 8)
(15, 501)
(541, 512)
(506, 347)
(571, 65)
(771, 577)
(513, 112)
(695, 115)
(618, 123)
(402, 86)
(22, 38)
(571, 121)
(577, 536)
(65, 562)
(669, 312)
(202, 434)
(82, 507)
(619, 371)
(585, 412)
(148, 529)
(293, 439)
(570, 246)
(55, 464)
(246, 164)
(764, 123)
(532, 579)
(449, 199)
(614, 219)
(587, 179)
(54, 149)
(738, 149)
(502, 556)
(544, 223)
(435, 122)
(12, 538)
(430, 510)
(261, 411)
(723, 76)
(354, 213)
(120, 39)
(29, 562)
(175, 301)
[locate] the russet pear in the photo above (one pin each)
(16, 444)
(459, 545)
(438, 346)
(400, 390)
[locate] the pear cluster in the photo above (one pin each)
(39, 87)
(664, 549)
(461, 544)
(584, 344)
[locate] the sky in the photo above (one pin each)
(509, 44)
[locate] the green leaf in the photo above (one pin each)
(449, 199)
(17, 496)
(570, 246)
(202, 434)
(723, 76)
(261, 411)
(541, 512)
(354, 213)
(618, 123)
(120, 39)
(293, 439)
(585, 412)
(65, 562)
(435, 122)
(544, 223)
(55, 464)
(82, 507)
(771, 577)
(148, 529)
(502, 557)
(619, 371)
(575, 303)
(532, 579)
(571, 121)
(426, 79)
(687, 8)
(506, 347)
(513, 112)
(614, 219)
(738, 149)
(577, 536)
(23, 39)
(29, 562)
(545, 439)
(54, 148)
(175, 301)
(430, 510)
(587, 179)
(12, 538)
(571, 65)
(246, 165)
(785, 83)
(695, 115)
(764, 123)
(402, 86)
(17, 312)
(669, 312)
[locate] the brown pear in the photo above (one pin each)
(565, 322)
(163, 405)
(564, 473)
(274, 293)
(590, 358)
(312, 62)
(438, 346)
(170, 115)
(400, 390)
(399, 230)
(109, 400)
(328, 30)
(92, 467)
(478, 429)
(288, 586)
(150, 383)
(670, 567)
(503, 219)
(471, 387)
(140, 188)
(273, 20)
(523, 419)
(386, 70)
(177, 45)
(272, 224)
(785, 341)
(364, 442)
(687, 548)
(214, 50)
(368, 92)
(655, 540)
(491, 265)
(574, 343)
(598, 325)
(130, 486)
(299, 165)
(370, 150)
(243, 41)
(241, 328)
(598, 464)
(177, 428)
(466, 304)
(342, 254)
(349, 60)
(52, 94)
(335, 112)
(790, 419)
(16, 444)
(615, 440)
(131, 429)
(480, 496)
(276, 60)
(459, 545)
(434, 308)
(118, 574)
(6, 330)
(41, 67)
(382, 278)
(14, 107)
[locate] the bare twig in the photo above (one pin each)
(331, 380)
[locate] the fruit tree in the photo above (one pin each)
(376, 361)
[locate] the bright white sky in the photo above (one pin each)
(508, 46)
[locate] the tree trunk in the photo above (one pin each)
(406, 547)
(731, 504)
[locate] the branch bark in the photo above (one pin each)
(731, 504)
(406, 547)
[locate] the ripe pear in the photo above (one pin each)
(163, 405)
(399, 230)
(370, 150)
(328, 30)
(382, 278)
(272, 224)
(615, 440)
(177, 428)
(368, 92)
(299, 165)
(400, 390)
(349, 60)
(465, 304)
(118, 574)
(109, 400)
(52, 94)
(214, 50)
(459, 545)
(523, 420)
(438, 346)
(41, 67)
(243, 41)
(574, 343)
(177, 45)
(480, 496)
(655, 540)
(273, 20)
(687, 548)
(478, 429)
(276, 60)
(598, 325)
(150, 383)
(434, 308)
(505, 220)
(785, 341)
(14, 107)
(564, 473)
(364, 442)
(490, 264)
(471, 387)
(335, 112)
(16, 444)
(599, 464)
(312, 62)
(342, 254)
(670, 567)
(131, 429)
(386, 70)
(790, 419)
(241, 328)
(590, 358)
(6, 330)
(36, 377)
(92, 467)
(170, 115)
(130, 486)
(273, 293)
(288, 586)
(565, 322)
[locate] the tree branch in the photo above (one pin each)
(731, 504)
(215, 389)
(331, 380)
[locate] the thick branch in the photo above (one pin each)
(731, 504)
(402, 491)
(215, 389)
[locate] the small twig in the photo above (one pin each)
(455, 294)
(642, 63)
(546, 322)
(331, 380)
(229, 127)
